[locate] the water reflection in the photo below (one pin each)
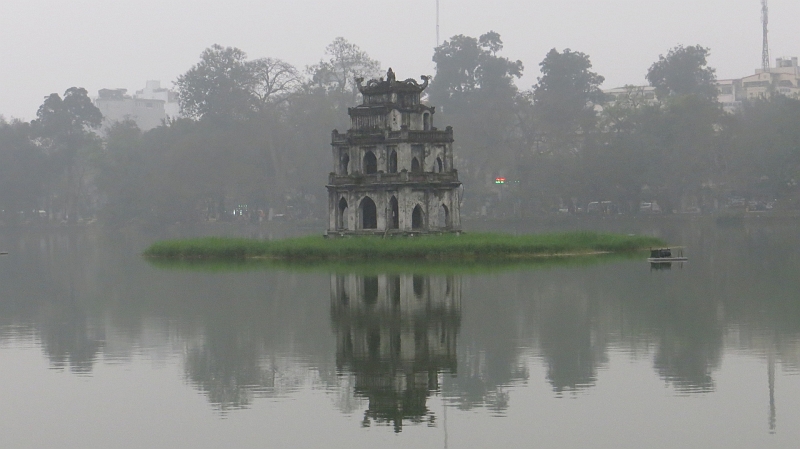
(396, 334)
(381, 346)
(571, 340)
(690, 338)
(67, 337)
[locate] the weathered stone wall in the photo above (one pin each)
(439, 206)
(392, 119)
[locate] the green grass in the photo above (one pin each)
(449, 248)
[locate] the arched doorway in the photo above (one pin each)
(341, 215)
(415, 167)
(393, 162)
(426, 121)
(416, 218)
(438, 166)
(344, 162)
(394, 214)
(370, 163)
(444, 217)
(369, 215)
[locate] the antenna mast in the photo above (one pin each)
(437, 22)
(765, 48)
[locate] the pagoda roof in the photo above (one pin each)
(391, 84)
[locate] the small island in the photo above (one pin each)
(467, 246)
(394, 196)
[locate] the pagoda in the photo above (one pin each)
(393, 170)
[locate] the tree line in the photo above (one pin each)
(254, 136)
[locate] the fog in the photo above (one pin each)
(51, 45)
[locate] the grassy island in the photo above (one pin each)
(478, 246)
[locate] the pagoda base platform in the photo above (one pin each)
(390, 233)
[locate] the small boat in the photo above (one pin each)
(664, 255)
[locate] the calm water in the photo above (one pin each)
(98, 348)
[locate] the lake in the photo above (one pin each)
(100, 348)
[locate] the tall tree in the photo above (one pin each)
(62, 129)
(21, 171)
(474, 91)
(274, 80)
(565, 98)
(220, 86)
(683, 71)
(337, 75)
(764, 147)
(124, 177)
(465, 65)
(68, 117)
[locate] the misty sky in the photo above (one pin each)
(51, 45)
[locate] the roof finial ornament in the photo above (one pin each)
(390, 76)
(426, 79)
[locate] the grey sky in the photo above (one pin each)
(51, 45)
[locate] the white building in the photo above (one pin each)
(631, 95)
(784, 78)
(154, 91)
(149, 107)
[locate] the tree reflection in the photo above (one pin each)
(395, 334)
(690, 344)
(44, 292)
(570, 340)
(227, 368)
(67, 338)
(243, 334)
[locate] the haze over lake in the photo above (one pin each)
(99, 347)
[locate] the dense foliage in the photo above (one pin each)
(255, 136)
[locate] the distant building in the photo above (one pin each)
(729, 94)
(154, 91)
(149, 107)
(783, 79)
(631, 94)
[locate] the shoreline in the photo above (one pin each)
(466, 247)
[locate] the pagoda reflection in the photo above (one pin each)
(395, 333)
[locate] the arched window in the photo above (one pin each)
(393, 162)
(370, 163)
(344, 162)
(438, 167)
(341, 216)
(415, 167)
(369, 214)
(416, 218)
(394, 214)
(426, 121)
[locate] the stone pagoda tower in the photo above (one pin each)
(393, 170)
